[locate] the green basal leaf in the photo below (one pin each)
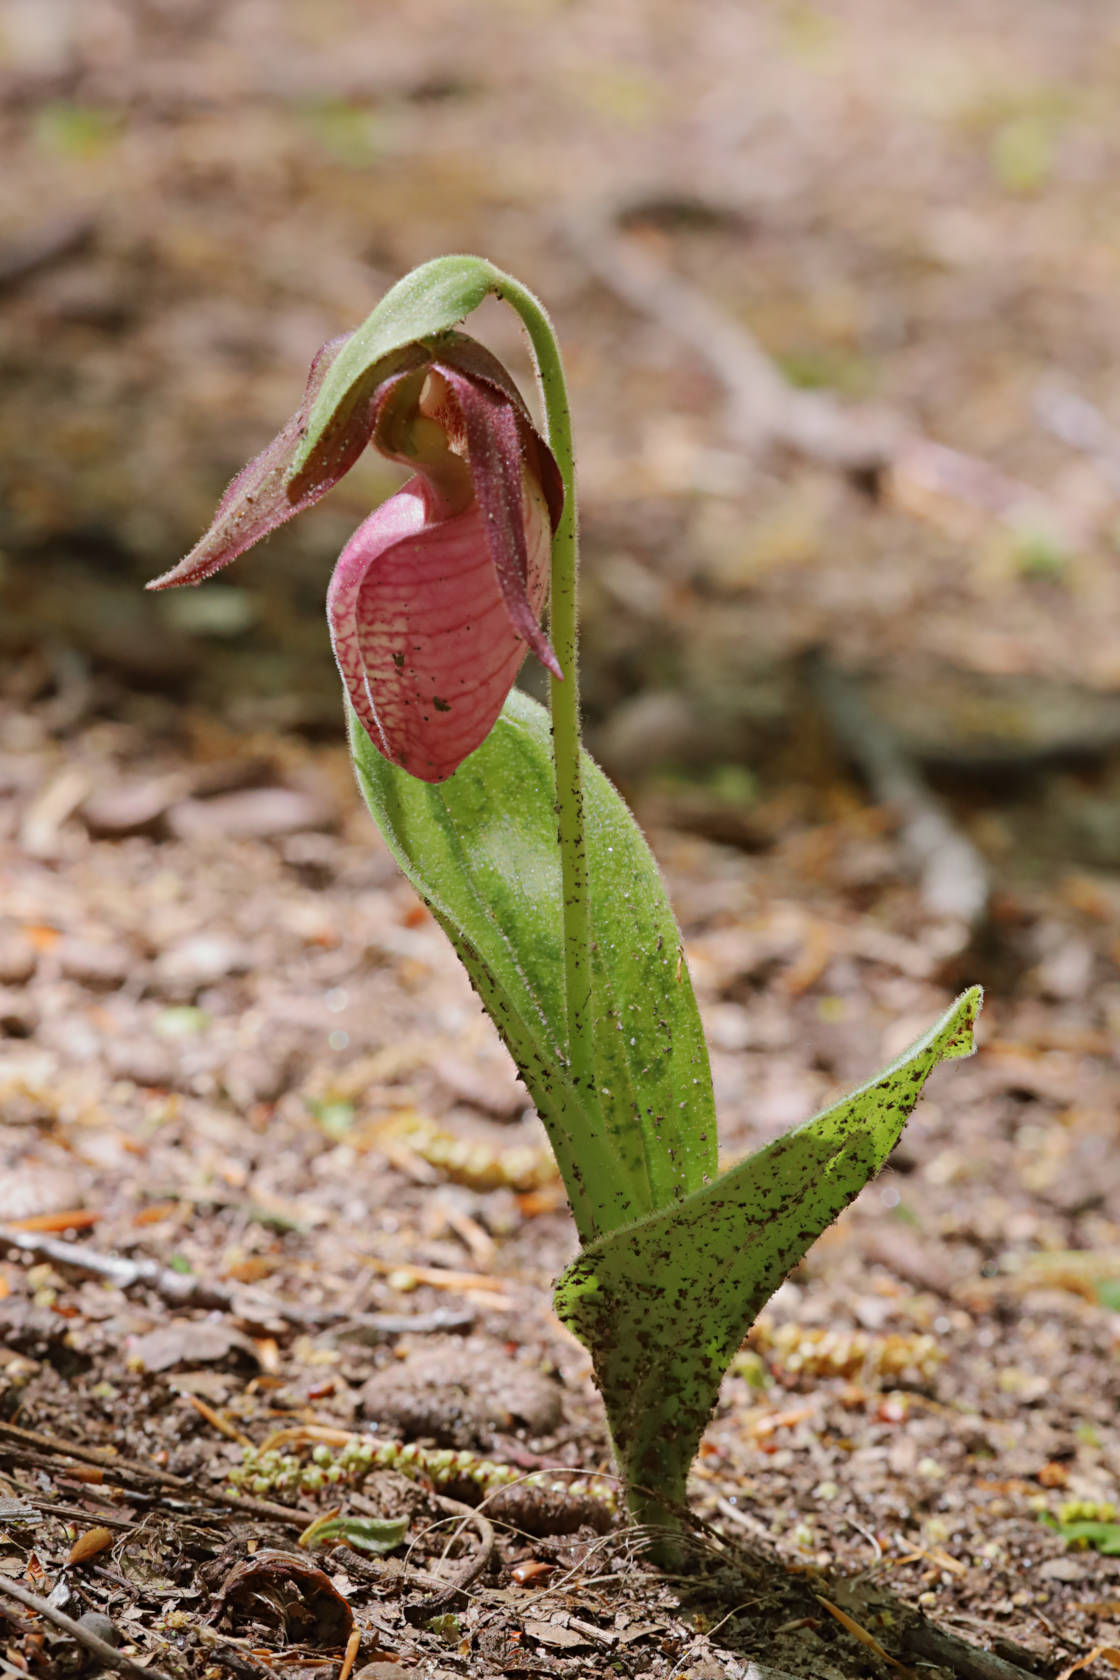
(1103, 1537)
(481, 850)
(364, 1534)
(1107, 1291)
(428, 301)
(662, 1305)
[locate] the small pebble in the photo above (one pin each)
(1066, 1569)
(266, 813)
(201, 960)
(147, 1061)
(18, 1015)
(487, 1084)
(17, 959)
(115, 813)
(133, 644)
(250, 1077)
(101, 967)
(101, 1627)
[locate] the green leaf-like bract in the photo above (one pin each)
(428, 301)
(663, 1304)
(481, 850)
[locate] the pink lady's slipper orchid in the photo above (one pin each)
(437, 597)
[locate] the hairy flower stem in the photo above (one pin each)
(564, 696)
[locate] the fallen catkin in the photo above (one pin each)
(796, 1352)
(540, 1501)
(469, 1161)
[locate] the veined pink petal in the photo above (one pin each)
(423, 634)
(396, 520)
(498, 469)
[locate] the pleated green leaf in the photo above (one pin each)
(663, 1304)
(481, 850)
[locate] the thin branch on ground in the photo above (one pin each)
(106, 1654)
(236, 1654)
(746, 1520)
(49, 244)
(353, 1646)
(433, 1604)
(183, 1290)
(953, 877)
(124, 1471)
(104, 1458)
(382, 1571)
(925, 1642)
(75, 1513)
(763, 410)
(1081, 426)
(177, 1288)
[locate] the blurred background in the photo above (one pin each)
(836, 285)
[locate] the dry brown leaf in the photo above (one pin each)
(535, 1570)
(285, 1593)
(217, 1421)
(353, 1645)
(1103, 1653)
(90, 1544)
(71, 1219)
(860, 1633)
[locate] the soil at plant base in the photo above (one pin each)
(238, 1052)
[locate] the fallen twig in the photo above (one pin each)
(39, 250)
(79, 1513)
(915, 1639)
(178, 1288)
(862, 1635)
(181, 1289)
(217, 1421)
(238, 1655)
(124, 1471)
(438, 1277)
(910, 1636)
(925, 1642)
(952, 875)
(434, 1604)
(744, 1519)
(104, 1458)
(1080, 424)
(763, 409)
(353, 1646)
(386, 1571)
(106, 1654)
